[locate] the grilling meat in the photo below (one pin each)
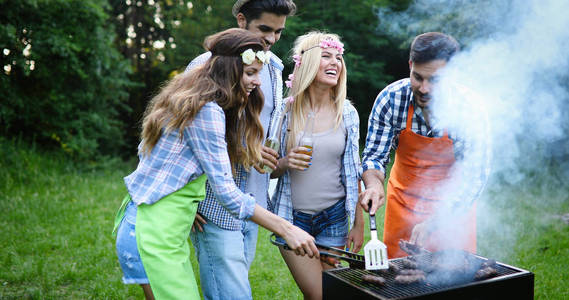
(412, 249)
(411, 272)
(373, 279)
(409, 263)
(485, 272)
(393, 268)
(408, 279)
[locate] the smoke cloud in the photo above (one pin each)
(514, 69)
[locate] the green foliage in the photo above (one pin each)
(372, 58)
(62, 81)
(160, 39)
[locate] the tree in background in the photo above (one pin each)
(160, 37)
(62, 82)
(372, 57)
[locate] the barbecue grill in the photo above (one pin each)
(509, 283)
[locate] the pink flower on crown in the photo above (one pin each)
(296, 58)
(288, 83)
(332, 44)
(289, 100)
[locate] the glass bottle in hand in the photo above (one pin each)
(306, 140)
(272, 140)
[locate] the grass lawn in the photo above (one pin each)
(56, 241)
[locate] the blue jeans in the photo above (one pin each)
(329, 227)
(127, 250)
(225, 257)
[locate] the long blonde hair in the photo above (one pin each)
(307, 47)
(219, 80)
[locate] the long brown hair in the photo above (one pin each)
(219, 80)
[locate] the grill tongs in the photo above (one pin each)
(354, 260)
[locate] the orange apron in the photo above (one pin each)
(422, 165)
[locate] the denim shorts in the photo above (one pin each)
(329, 227)
(127, 250)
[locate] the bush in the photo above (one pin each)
(62, 83)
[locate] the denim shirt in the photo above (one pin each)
(281, 201)
(210, 207)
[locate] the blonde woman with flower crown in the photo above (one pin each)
(318, 191)
(195, 129)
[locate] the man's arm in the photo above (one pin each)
(374, 191)
(376, 153)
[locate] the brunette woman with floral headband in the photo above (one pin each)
(318, 190)
(194, 129)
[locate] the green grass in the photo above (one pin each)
(57, 218)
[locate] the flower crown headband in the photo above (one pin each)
(248, 56)
(324, 44)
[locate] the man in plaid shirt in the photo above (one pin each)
(225, 246)
(436, 175)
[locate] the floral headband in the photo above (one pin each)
(324, 44)
(249, 55)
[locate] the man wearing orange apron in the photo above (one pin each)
(424, 158)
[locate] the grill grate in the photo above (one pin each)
(394, 290)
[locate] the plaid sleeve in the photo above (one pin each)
(351, 159)
(379, 134)
(206, 137)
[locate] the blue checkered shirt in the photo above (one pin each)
(175, 161)
(212, 209)
(388, 118)
(281, 201)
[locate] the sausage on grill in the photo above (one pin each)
(485, 272)
(411, 272)
(373, 279)
(408, 279)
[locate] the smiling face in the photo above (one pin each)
(331, 63)
(269, 26)
(250, 79)
(423, 76)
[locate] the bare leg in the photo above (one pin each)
(147, 291)
(307, 273)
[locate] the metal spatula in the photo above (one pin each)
(375, 251)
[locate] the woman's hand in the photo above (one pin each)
(356, 236)
(299, 158)
(301, 242)
(270, 159)
(198, 222)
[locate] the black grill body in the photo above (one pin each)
(346, 283)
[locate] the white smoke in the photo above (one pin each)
(514, 66)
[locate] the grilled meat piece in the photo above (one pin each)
(408, 279)
(373, 279)
(393, 268)
(485, 272)
(409, 263)
(411, 272)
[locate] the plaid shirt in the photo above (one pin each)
(210, 207)
(173, 162)
(281, 201)
(388, 118)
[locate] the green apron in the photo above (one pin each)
(162, 231)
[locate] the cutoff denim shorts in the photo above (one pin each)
(127, 250)
(329, 227)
